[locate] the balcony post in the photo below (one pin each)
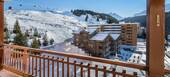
(1, 31)
(155, 37)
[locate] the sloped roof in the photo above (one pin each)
(91, 30)
(99, 37)
(115, 36)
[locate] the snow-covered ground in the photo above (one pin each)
(57, 26)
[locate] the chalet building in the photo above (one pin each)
(101, 40)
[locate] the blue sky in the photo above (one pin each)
(124, 8)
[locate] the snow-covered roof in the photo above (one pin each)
(76, 31)
(112, 26)
(111, 32)
(115, 36)
(91, 30)
(99, 37)
(113, 29)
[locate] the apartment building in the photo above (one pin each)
(101, 40)
(129, 34)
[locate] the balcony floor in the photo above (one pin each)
(5, 73)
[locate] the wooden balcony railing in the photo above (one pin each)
(44, 63)
(30, 62)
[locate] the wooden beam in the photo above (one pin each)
(1, 31)
(155, 37)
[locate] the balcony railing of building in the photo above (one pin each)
(45, 63)
(30, 62)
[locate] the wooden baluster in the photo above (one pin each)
(32, 65)
(20, 59)
(124, 73)
(17, 57)
(7, 55)
(4, 56)
(14, 58)
(22, 53)
(81, 68)
(62, 67)
(12, 62)
(96, 70)
(53, 67)
(44, 66)
(68, 67)
(89, 70)
(29, 67)
(75, 68)
(58, 67)
(113, 72)
(48, 61)
(104, 71)
(40, 67)
(25, 61)
(135, 74)
(36, 66)
(4, 60)
(10, 58)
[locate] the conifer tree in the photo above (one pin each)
(35, 44)
(45, 40)
(39, 42)
(51, 41)
(111, 20)
(16, 27)
(6, 33)
(86, 19)
(20, 39)
(36, 34)
(27, 33)
(97, 18)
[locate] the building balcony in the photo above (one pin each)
(28, 62)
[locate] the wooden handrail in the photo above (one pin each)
(84, 57)
(24, 55)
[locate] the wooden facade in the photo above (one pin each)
(129, 34)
